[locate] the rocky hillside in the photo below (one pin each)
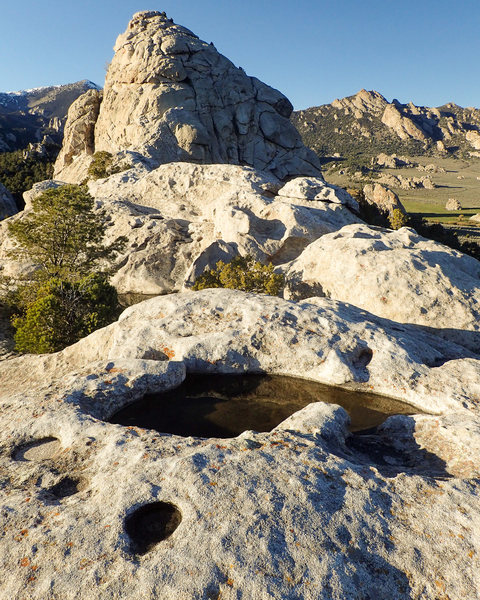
(366, 124)
(26, 117)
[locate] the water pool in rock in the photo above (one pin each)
(212, 405)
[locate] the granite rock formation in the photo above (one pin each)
(383, 198)
(171, 97)
(307, 510)
(367, 122)
(78, 138)
(181, 218)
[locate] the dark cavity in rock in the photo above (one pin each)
(67, 486)
(224, 406)
(151, 524)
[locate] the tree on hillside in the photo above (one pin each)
(69, 295)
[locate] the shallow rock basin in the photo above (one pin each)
(224, 406)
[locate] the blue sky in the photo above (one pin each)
(313, 51)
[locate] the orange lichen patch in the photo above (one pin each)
(168, 352)
(114, 370)
(31, 578)
(19, 537)
(84, 563)
(24, 562)
(34, 567)
(213, 483)
(230, 582)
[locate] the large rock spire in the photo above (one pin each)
(170, 96)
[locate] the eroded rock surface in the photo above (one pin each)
(394, 274)
(181, 218)
(280, 514)
(172, 97)
(79, 137)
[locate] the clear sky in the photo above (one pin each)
(426, 51)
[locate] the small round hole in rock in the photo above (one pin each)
(67, 486)
(41, 449)
(224, 406)
(151, 524)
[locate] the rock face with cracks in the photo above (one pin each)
(169, 96)
(305, 511)
(181, 218)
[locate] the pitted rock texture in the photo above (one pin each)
(172, 97)
(305, 511)
(182, 218)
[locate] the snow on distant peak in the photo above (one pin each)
(86, 83)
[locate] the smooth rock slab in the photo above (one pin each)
(294, 513)
(394, 274)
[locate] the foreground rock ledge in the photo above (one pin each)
(295, 513)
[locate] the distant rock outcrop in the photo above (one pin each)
(171, 97)
(453, 204)
(367, 122)
(383, 198)
(26, 117)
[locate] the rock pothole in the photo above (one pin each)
(224, 406)
(151, 524)
(67, 486)
(38, 450)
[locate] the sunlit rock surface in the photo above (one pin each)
(305, 511)
(172, 97)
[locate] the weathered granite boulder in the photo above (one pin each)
(383, 198)
(181, 218)
(305, 511)
(395, 274)
(8, 206)
(172, 97)
(453, 204)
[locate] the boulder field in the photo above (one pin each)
(307, 510)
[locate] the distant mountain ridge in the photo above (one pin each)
(367, 124)
(27, 116)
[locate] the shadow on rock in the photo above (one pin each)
(394, 455)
